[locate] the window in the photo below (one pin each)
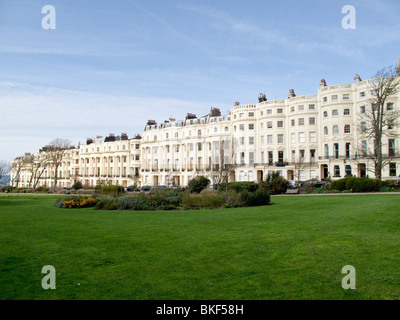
(269, 124)
(363, 126)
(280, 156)
(270, 157)
(335, 113)
(251, 140)
(251, 126)
(241, 176)
(311, 120)
(389, 106)
(293, 155)
(326, 151)
(336, 170)
(241, 115)
(392, 147)
(241, 141)
(325, 114)
(312, 153)
(347, 128)
(313, 137)
(280, 124)
(302, 153)
(241, 127)
(311, 107)
(242, 158)
(262, 140)
(348, 150)
(301, 137)
(292, 109)
(334, 97)
(336, 150)
(362, 109)
(301, 108)
(269, 139)
(362, 94)
(176, 149)
(262, 157)
(335, 129)
(313, 174)
(325, 99)
(261, 126)
(269, 111)
(364, 147)
(346, 97)
(348, 170)
(199, 146)
(390, 124)
(279, 111)
(261, 113)
(280, 138)
(199, 133)
(251, 114)
(293, 138)
(301, 121)
(251, 158)
(226, 129)
(215, 129)
(392, 169)
(346, 112)
(293, 122)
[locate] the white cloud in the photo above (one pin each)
(32, 115)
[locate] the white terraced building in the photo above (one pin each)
(301, 137)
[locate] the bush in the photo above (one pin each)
(238, 186)
(76, 202)
(42, 189)
(203, 201)
(357, 184)
(77, 185)
(258, 198)
(110, 190)
(198, 184)
(6, 189)
(274, 184)
(307, 188)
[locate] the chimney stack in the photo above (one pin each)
(291, 93)
(262, 97)
(357, 78)
(323, 83)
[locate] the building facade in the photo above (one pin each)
(301, 137)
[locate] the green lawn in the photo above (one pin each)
(293, 249)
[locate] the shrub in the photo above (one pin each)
(238, 186)
(258, 198)
(274, 184)
(110, 190)
(307, 188)
(77, 185)
(76, 202)
(42, 189)
(356, 184)
(198, 184)
(7, 188)
(203, 201)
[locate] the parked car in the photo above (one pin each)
(131, 188)
(315, 183)
(175, 187)
(146, 188)
(161, 187)
(68, 188)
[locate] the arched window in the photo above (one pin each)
(347, 128)
(199, 133)
(226, 129)
(335, 129)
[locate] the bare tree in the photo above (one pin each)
(299, 165)
(223, 160)
(56, 151)
(36, 166)
(379, 119)
(5, 168)
(16, 166)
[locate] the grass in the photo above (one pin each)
(294, 249)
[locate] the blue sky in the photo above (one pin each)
(111, 65)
